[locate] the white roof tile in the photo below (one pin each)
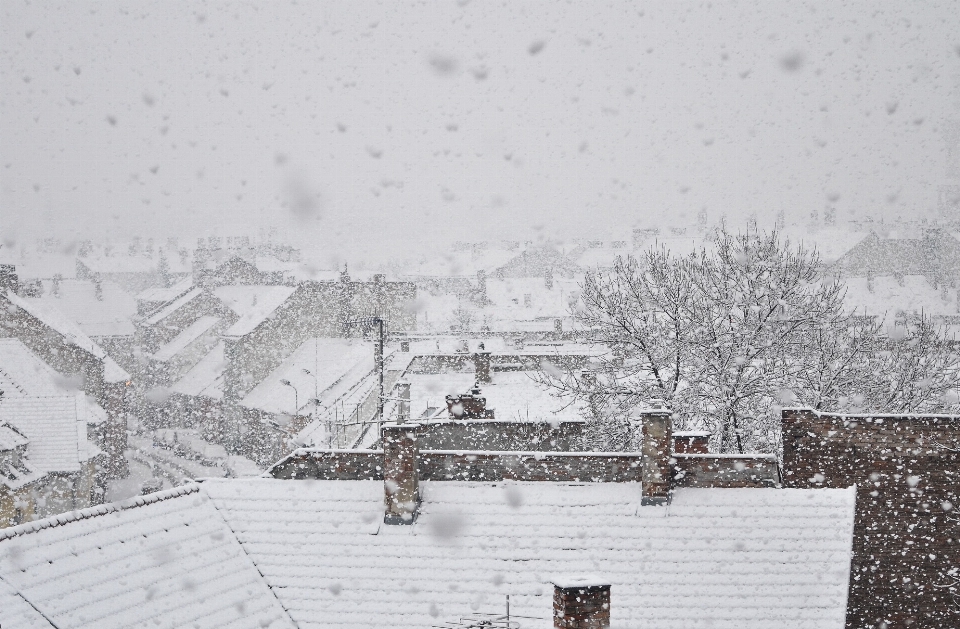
(724, 558)
(169, 561)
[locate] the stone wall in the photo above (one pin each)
(906, 469)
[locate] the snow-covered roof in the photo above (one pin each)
(173, 306)
(71, 333)
(332, 361)
(311, 554)
(120, 264)
(11, 439)
(253, 304)
(513, 395)
(109, 315)
(56, 427)
(59, 323)
(189, 334)
(15, 611)
(166, 293)
(163, 560)
(23, 373)
(206, 377)
(885, 295)
(727, 558)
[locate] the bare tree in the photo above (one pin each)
(726, 336)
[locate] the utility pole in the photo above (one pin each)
(377, 355)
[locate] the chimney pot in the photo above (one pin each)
(581, 603)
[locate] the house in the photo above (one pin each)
(100, 308)
(935, 255)
(332, 541)
(60, 344)
(51, 466)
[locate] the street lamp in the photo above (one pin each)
(312, 375)
(296, 396)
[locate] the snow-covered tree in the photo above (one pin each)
(725, 336)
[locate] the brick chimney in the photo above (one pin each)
(401, 480)
(481, 364)
(403, 408)
(656, 445)
(691, 442)
(581, 603)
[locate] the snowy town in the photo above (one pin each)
(454, 316)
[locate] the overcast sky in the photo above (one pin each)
(350, 123)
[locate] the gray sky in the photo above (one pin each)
(350, 123)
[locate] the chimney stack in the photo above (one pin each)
(403, 408)
(581, 603)
(401, 480)
(481, 364)
(656, 445)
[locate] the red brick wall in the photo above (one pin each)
(904, 538)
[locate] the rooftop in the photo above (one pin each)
(331, 362)
(194, 556)
(109, 314)
(56, 428)
(253, 304)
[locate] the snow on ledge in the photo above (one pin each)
(870, 415)
(91, 512)
(580, 581)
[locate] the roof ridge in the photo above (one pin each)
(91, 512)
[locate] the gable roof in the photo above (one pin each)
(206, 377)
(166, 293)
(253, 304)
(936, 252)
(331, 361)
(737, 558)
(109, 315)
(56, 427)
(173, 305)
(71, 333)
(189, 334)
(164, 560)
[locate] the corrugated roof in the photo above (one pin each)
(727, 558)
(168, 561)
